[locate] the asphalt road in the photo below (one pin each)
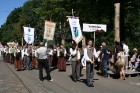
(9, 83)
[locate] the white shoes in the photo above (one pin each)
(51, 80)
(133, 69)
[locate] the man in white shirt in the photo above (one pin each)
(75, 56)
(89, 54)
(41, 55)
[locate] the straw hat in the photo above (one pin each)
(135, 49)
(103, 44)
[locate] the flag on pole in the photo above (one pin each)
(49, 30)
(75, 29)
(29, 34)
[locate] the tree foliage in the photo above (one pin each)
(35, 12)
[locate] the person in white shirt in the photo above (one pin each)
(42, 57)
(89, 55)
(11, 52)
(75, 57)
(126, 53)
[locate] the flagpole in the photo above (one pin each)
(72, 12)
(94, 39)
(22, 41)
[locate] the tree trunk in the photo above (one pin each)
(117, 22)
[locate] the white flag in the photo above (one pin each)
(75, 29)
(29, 34)
(49, 30)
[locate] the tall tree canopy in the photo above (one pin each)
(35, 12)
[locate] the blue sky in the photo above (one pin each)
(6, 6)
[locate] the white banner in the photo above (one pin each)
(94, 27)
(49, 30)
(75, 29)
(29, 34)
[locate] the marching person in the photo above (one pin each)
(55, 59)
(26, 55)
(34, 61)
(41, 55)
(75, 57)
(61, 65)
(89, 54)
(18, 60)
(11, 52)
(23, 56)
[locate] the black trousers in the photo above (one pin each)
(89, 73)
(44, 63)
(75, 70)
(11, 58)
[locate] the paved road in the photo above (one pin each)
(62, 83)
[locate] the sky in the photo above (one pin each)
(6, 6)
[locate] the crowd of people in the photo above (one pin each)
(88, 57)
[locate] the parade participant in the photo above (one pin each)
(18, 60)
(50, 54)
(7, 56)
(26, 53)
(34, 61)
(89, 54)
(82, 60)
(41, 55)
(61, 53)
(99, 63)
(105, 58)
(11, 52)
(55, 59)
(75, 57)
(1, 47)
(3, 54)
(23, 56)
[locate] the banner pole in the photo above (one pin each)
(22, 41)
(94, 39)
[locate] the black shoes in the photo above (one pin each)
(90, 85)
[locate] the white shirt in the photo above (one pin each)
(126, 49)
(98, 53)
(26, 52)
(41, 53)
(86, 55)
(73, 53)
(58, 52)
